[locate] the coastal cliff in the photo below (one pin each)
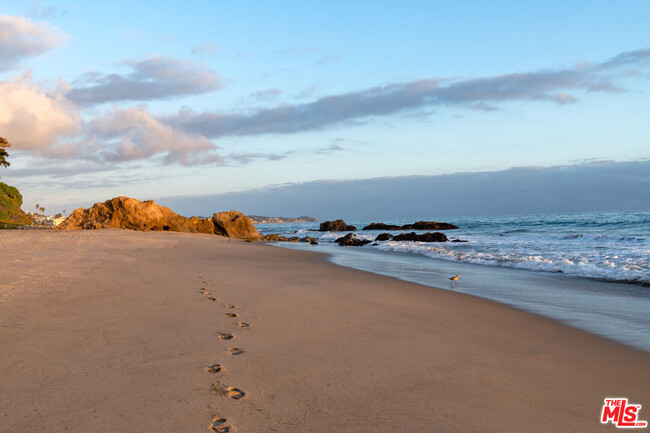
(10, 202)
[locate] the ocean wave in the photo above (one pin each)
(613, 268)
(610, 246)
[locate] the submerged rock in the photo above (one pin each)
(336, 226)
(351, 240)
(426, 237)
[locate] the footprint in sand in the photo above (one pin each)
(235, 393)
(235, 351)
(232, 315)
(229, 306)
(212, 298)
(229, 391)
(243, 325)
(218, 425)
(214, 368)
(225, 336)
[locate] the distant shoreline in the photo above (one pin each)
(258, 219)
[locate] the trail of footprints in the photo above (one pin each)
(219, 424)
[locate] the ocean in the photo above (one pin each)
(588, 270)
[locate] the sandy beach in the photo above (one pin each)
(116, 331)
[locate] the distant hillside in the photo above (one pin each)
(10, 202)
(257, 219)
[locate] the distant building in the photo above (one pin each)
(45, 220)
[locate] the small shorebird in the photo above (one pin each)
(454, 279)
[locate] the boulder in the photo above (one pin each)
(336, 226)
(129, 213)
(426, 237)
(234, 224)
(383, 237)
(202, 225)
(351, 240)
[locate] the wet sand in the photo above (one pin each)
(105, 331)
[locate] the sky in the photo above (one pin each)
(205, 105)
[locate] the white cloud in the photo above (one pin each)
(150, 78)
(32, 118)
(21, 38)
(133, 134)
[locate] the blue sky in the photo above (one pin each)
(162, 99)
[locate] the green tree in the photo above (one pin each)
(3, 153)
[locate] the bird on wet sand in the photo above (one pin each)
(454, 279)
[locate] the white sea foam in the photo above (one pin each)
(610, 267)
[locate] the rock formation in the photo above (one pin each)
(132, 214)
(234, 224)
(383, 237)
(419, 225)
(351, 240)
(336, 226)
(426, 237)
(274, 237)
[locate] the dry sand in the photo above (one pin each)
(109, 331)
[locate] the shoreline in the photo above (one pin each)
(115, 335)
(580, 302)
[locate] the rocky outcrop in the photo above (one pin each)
(426, 237)
(129, 213)
(351, 240)
(274, 237)
(429, 225)
(419, 225)
(381, 226)
(383, 237)
(336, 226)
